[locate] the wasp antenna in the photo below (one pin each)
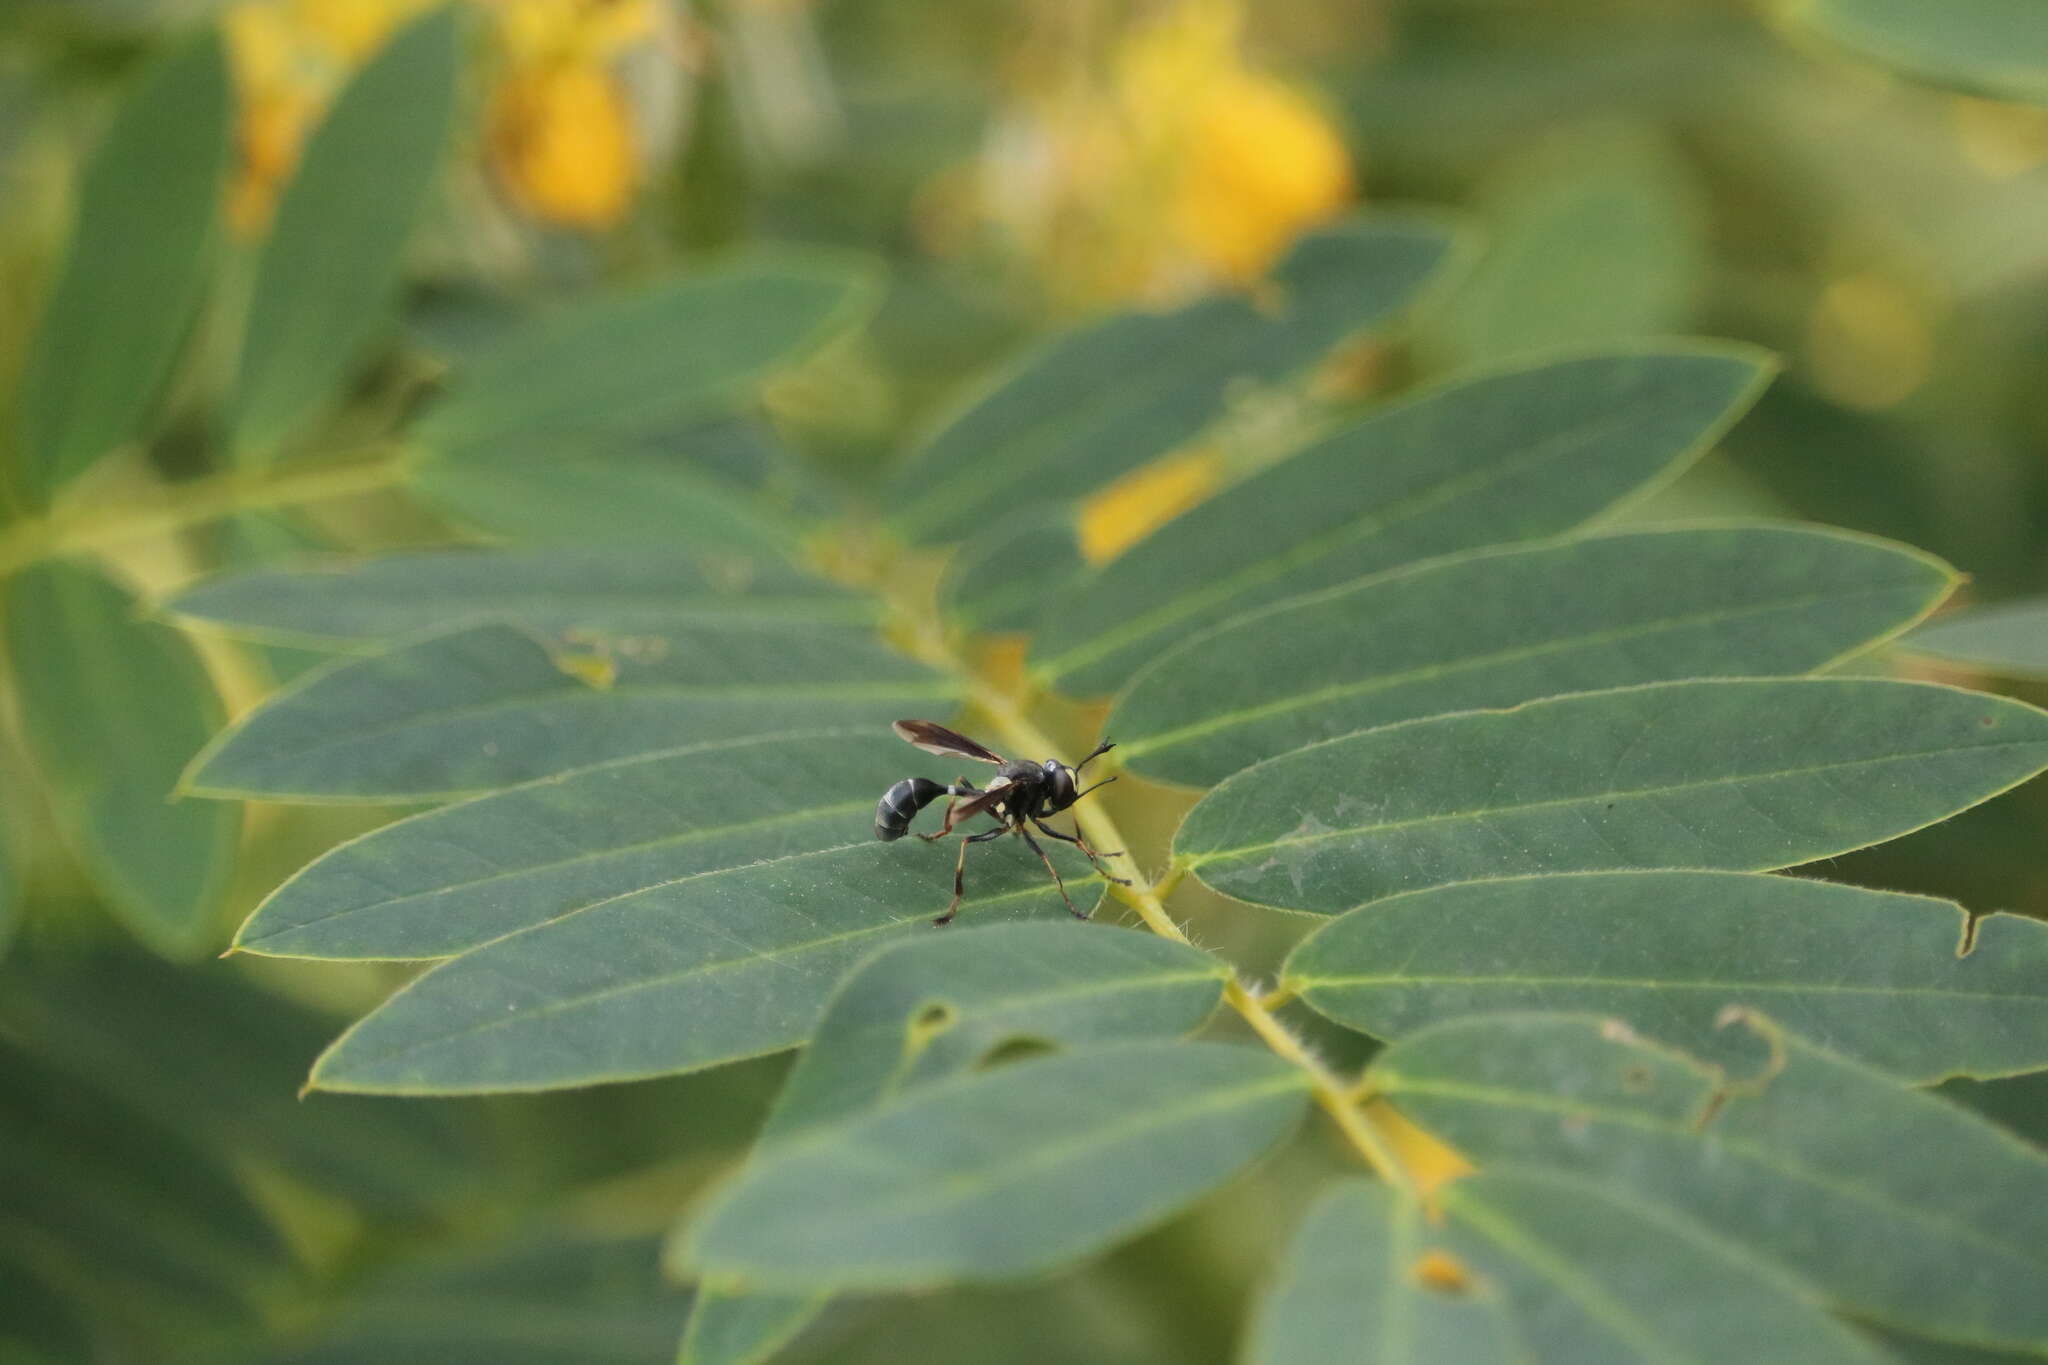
(1097, 752)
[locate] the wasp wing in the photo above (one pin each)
(976, 804)
(934, 738)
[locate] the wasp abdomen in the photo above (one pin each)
(901, 803)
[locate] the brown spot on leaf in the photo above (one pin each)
(1440, 1272)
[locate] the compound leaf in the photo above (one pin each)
(355, 602)
(137, 264)
(1590, 1277)
(1742, 775)
(330, 269)
(684, 975)
(1867, 974)
(1351, 1290)
(1498, 628)
(931, 1008)
(1893, 1203)
(496, 704)
(1099, 402)
(1000, 1174)
(1503, 456)
(112, 707)
(645, 358)
(447, 880)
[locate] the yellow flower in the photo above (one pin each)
(562, 145)
(562, 139)
(1179, 167)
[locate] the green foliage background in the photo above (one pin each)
(499, 663)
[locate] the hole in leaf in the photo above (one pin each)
(931, 1020)
(1968, 943)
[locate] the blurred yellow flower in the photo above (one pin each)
(1179, 166)
(561, 136)
(1147, 498)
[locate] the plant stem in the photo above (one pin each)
(1339, 1098)
(84, 525)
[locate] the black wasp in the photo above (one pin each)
(1021, 793)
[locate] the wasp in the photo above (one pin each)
(1021, 793)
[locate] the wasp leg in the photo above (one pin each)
(1094, 856)
(960, 872)
(1025, 835)
(961, 787)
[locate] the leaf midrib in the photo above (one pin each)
(1310, 549)
(752, 956)
(960, 1189)
(575, 692)
(689, 836)
(1888, 991)
(1446, 668)
(1603, 1307)
(1640, 793)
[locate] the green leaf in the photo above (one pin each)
(931, 1008)
(2010, 639)
(1993, 47)
(1745, 775)
(10, 889)
(329, 272)
(1497, 629)
(487, 707)
(1911, 1350)
(447, 880)
(353, 602)
(693, 973)
(1348, 1292)
(137, 263)
(264, 539)
(936, 1006)
(647, 357)
(199, 1051)
(111, 708)
(43, 1324)
(1893, 1203)
(1001, 582)
(719, 485)
(1670, 951)
(128, 1206)
(1504, 456)
(1590, 1277)
(1099, 402)
(1000, 1174)
(1594, 235)
(548, 1299)
(605, 497)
